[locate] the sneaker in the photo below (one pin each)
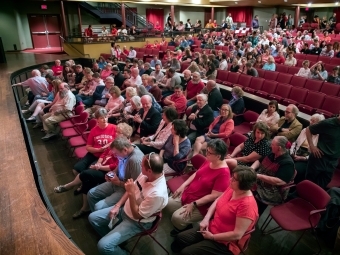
(60, 189)
(48, 136)
(25, 111)
(31, 119)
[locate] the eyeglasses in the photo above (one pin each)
(210, 153)
(234, 179)
(224, 110)
(149, 157)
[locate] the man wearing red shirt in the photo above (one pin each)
(280, 59)
(88, 31)
(194, 87)
(177, 100)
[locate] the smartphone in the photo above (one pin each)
(110, 174)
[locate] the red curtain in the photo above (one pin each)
(153, 15)
(241, 14)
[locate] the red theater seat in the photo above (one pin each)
(270, 75)
(330, 89)
(268, 88)
(284, 78)
(255, 85)
(294, 70)
(282, 68)
(282, 91)
(244, 81)
(298, 81)
(313, 85)
(313, 101)
(297, 95)
(330, 106)
(222, 75)
(232, 79)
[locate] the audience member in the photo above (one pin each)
(194, 87)
(215, 99)
(177, 100)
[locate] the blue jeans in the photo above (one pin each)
(190, 103)
(124, 230)
(104, 195)
(86, 100)
(216, 113)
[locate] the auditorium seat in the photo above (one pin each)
(329, 67)
(184, 65)
(140, 55)
(268, 88)
(300, 56)
(232, 79)
(330, 106)
(330, 89)
(260, 72)
(172, 48)
(282, 68)
(294, 70)
(297, 95)
(298, 81)
(282, 91)
(244, 81)
(313, 101)
(313, 85)
(299, 62)
(335, 61)
(270, 75)
(218, 47)
(255, 85)
(284, 78)
(148, 52)
(312, 58)
(155, 52)
(249, 117)
(324, 59)
(198, 50)
(222, 75)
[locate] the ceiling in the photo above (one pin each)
(224, 3)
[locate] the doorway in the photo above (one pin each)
(45, 31)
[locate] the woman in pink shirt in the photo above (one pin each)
(106, 71)
(223, 228)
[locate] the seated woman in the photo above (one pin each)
(304, 70)
(57, 68)
(130, 111)
(155, 142)
(115, 116)
(300, 149)
(221, 128)
(211, 71)
(175, 64)
(234, 66)
(290, 60)
(237, 103)
(270, 64)
(193, 67)
(258, 62)
(190, 202)
(95, 175)
(275, 170)
(85, 94)
(270, 116)
(280, 58)
(318, 72)
(176, 147)
(227, 220)
(254, 148)
(115, 101)
(106, 71)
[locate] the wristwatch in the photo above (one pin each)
(195, 204)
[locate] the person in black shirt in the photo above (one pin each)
(215, 99)
(332, 21)
(251, 70)
(117, 76)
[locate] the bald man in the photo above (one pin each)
(59, 111)
(147, 119)
(37, 84)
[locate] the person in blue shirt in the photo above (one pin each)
(318, 72)
(255, 23)
(184, 43)
(155, 61)
(270, 65)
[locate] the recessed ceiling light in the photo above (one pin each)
(235, 2)
(285, 1)
(309, 4)
(337, 3)
(259, 2)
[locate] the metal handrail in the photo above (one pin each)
(85, 55)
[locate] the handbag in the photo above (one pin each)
(302, 151)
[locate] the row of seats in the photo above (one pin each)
(305, 97)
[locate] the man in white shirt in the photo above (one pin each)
(157, 73)
(229, 21)
(59, 111)
(132, 54)
(223, 64)
(135, 79)
(144, 197)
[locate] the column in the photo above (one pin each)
(212, 14)
(79, 19)
(172, 10)
(63, 19)
(123, 15)
(297, 16)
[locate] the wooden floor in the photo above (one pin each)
(25, 225)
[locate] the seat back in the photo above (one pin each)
(261, 72)
(222, 75)
(270, 75)
(284, 78)
(198, 160)
(245, 80)
(269, 86)
(250, 116)
(283, 90)
(256, 83)
(92, 123)
(331, 104)
(294, 70)
(313, 85)
(235, 140)
(79, 109)
(314, 99)
(83, 117)
(233, 77)
(298, 81)
(313, 193)
(282, 68)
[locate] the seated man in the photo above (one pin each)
(143, 198)
(155, 61)
(129, 166)
(147, 119)
(173, 80)
(177, 100)
(37, 85)
(194, 87)
(275, 170)
(215, 99)
(288, 125)
(154, 89)
(200, 118)
(157, 73)
(59, 111)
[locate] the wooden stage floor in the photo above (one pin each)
(26, 227)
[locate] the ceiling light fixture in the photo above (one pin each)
(309, 4)
(259, 2)
(336, 3)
